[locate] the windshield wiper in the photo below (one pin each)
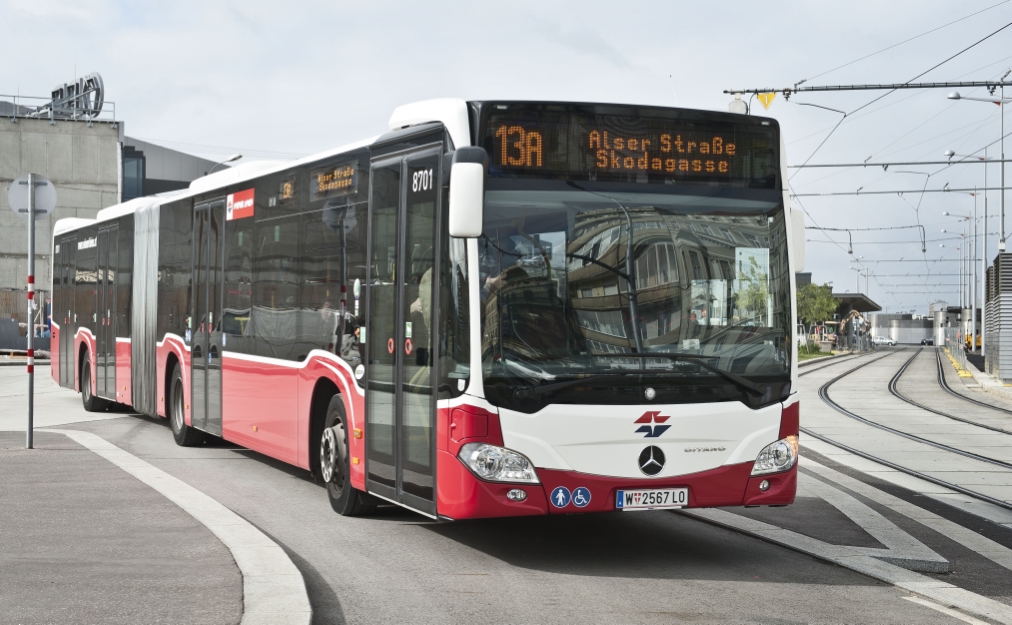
(741, 382)
(531, 391)
(751, 387)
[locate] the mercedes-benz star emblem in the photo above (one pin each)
(651, 460)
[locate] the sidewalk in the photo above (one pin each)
(82, 541)
(980, 380)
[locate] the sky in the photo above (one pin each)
(279, 80)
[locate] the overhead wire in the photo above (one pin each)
(896, 45)
(874, 100)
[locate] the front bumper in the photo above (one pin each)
(463, 496)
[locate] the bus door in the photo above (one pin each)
(205, 320)
(105, 307)
(68, 252)
(400, 403)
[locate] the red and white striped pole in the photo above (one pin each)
(31, 310)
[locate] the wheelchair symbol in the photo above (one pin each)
(581, 497)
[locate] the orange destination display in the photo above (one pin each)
(336, 180)
(640, 145)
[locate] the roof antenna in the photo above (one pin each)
(673, 93)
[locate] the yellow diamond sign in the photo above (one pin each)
(767, 99)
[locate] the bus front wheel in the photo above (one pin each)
(335, 464)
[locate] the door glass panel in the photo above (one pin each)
(215, 238)
(199, 320)
(101, 330)
(382, 337)
(68, 329)
(112, 244)
(416, 308)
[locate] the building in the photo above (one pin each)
(902, 328)
(74, 139)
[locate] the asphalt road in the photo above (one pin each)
(644, 567)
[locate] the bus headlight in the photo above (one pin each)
(777, 457)
(497, 464)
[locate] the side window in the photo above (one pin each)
(274, 314)
(124, 280)
(235, 314)
(174, 274)
(86, 280)
(58, 285)
(332, 273)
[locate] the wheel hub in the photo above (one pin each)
(177, 407)
(328, 454)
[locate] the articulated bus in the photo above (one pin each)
(497, 308)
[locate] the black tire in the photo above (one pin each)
(91, 403)
(335, 464)
(185, 435)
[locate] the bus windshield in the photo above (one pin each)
(581, 278)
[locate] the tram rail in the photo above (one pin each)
(896, 378)
(824, 395)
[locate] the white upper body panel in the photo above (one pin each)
(451, 112)
(607, 441)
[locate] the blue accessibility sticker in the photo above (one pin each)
(560, 497)
(581, 496)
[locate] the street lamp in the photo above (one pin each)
(230, 159)
(1000, 101)
(858, 270)
(971, 276)
(949, 154)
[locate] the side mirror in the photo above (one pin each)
(467, 191)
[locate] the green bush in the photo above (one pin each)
(808, 350)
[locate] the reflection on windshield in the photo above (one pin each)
(562, 288)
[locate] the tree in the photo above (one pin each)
(816, 303)
(753, 296)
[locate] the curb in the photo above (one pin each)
(990, 385)
(22, 363)
(274, 591)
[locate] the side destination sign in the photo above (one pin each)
(239, 205)
(87, 243)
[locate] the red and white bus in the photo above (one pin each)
(494, 309)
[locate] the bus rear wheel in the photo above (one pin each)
(335, 464)
(91, 403)
(185, 435)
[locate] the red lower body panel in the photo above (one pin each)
(123, 392)
(782, 489)
(260, 404)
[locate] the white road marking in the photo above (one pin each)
(944, 610)
(847, 557)
(274, 591)
(965, 503)
(902, 549)
(997, 553)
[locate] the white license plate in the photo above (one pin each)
(652, 498)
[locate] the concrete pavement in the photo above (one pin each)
(84, 542)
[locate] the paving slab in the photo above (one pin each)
(84, 542)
